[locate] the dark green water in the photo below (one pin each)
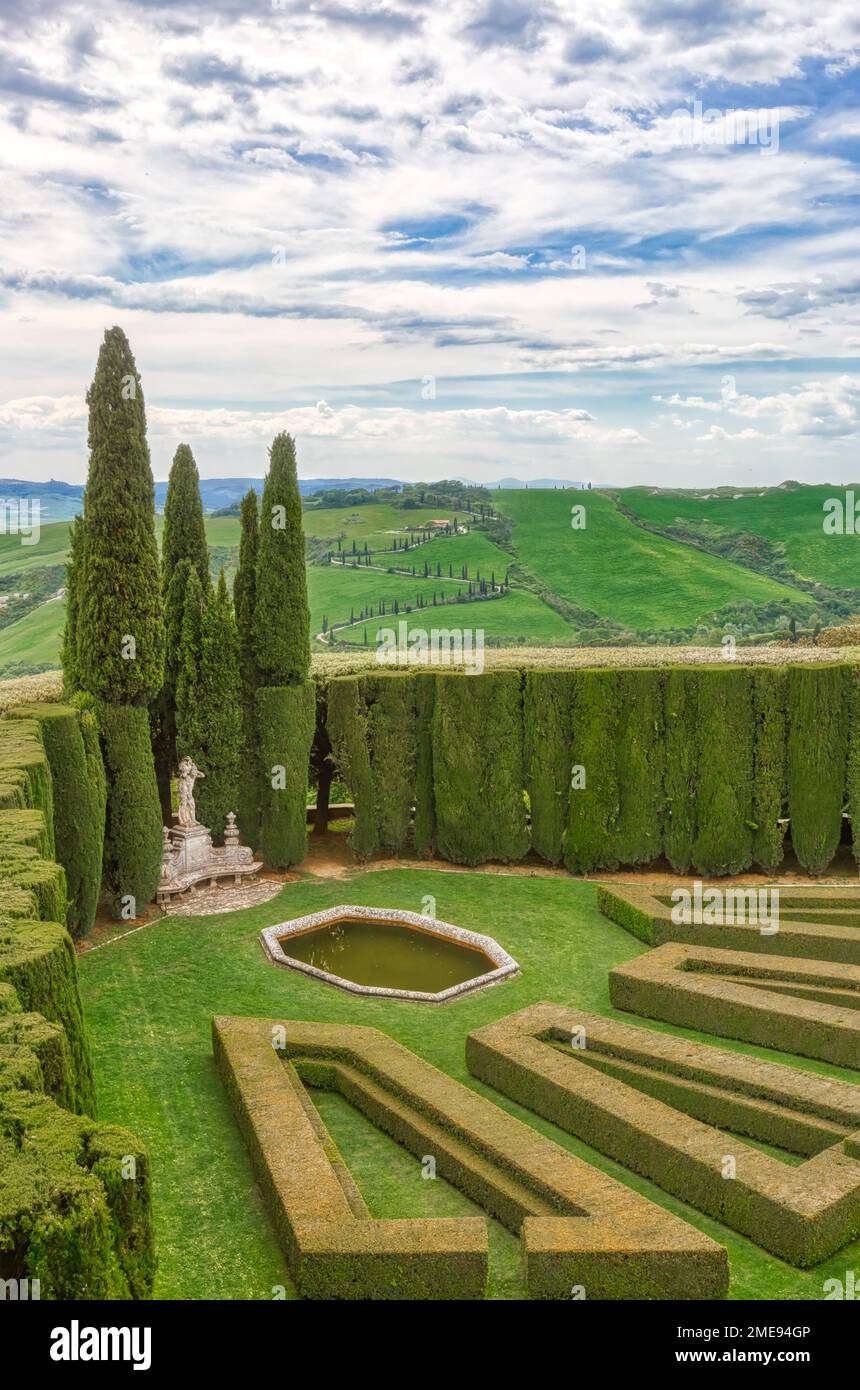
(390, 955)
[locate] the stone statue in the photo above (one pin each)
(188, 774)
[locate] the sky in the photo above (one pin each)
(489, 238)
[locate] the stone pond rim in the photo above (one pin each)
(504, 967)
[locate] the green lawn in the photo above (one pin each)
(620, 570)
(149, 999)
(794, 518)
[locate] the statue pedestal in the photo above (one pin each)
(190, 858)
(192, 846)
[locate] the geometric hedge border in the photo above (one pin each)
(807, 1007)
(580, 1229)
(662, 1105)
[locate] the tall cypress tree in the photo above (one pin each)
(118, 621)
(209, 725)
(281, 625)
(74, 579)
(286, 702)
(120, 630)
(244, 601)
(188, 732)
(183, 545)
(184, 529)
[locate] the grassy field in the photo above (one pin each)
(36, 638)
(149, 999)
(613, 567)
(621, 571)
(793, 517)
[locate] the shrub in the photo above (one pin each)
(547, 697)
(769, 693)
(286, 718)
(817, 754)
(133, 833)
(348, 731)
(640, 763)
(78, 805)
(724, 782)
(681, 768)
(594, 805)
(478, 767)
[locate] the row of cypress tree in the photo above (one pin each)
(702, 765)
(166, 663)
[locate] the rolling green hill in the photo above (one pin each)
(625, 576)
(621, 571)
(792, 517)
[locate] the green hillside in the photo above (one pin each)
(34, 641)
(792, 517)
(631, 578)
(620, 570)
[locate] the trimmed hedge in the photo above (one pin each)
(818, 703)
(69, 1216)
(575, 1222)
(133, 845)
(724, 781)
(640, 758)
(662, 1105)
(286, 719)
(811, 1004)
(770, 696)
(38, 960)
(74, 1195)
(824, 926)
(682, 761)
(78, 798)
(594, 806)
(348, 730)
(424, 830)
(696, 763)
(547, 697)
(334, 1248)
(478, 773)
(391, 728)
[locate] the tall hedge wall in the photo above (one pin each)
(78, 798)
(478, 769)
(770, 695)
(74, 1194)
(818, 700)
(286, 719)
(547, 698)
(724, 771)
(615, 766)
(133, 845)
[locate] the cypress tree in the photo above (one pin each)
(210, 727)
(183, 545)
(285, 702)
(282, 641)
(184, 529)
(119, 625)
(188, 729)
(244, 603)
(118, 621)
(74, 579)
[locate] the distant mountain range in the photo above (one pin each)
(61, 501)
